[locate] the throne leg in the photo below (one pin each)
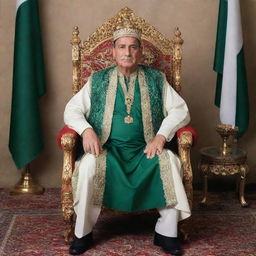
(69, 230)
(68, 216)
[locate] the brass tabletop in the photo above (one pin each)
(213, 161)
(213, 155)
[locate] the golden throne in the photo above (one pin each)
(95, 54)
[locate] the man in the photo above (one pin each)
(125, 114)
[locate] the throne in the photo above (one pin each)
(95, 54)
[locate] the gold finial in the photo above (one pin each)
(177, 58)
(177, 37)
(75, 36)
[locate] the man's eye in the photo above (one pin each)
(121, 46)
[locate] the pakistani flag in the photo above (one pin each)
(25, 141)
(231, 91)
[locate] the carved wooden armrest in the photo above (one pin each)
(185, 141)
(68, 144)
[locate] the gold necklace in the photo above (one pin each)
(128, 94)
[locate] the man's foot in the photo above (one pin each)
(81, 245)
(170, 245)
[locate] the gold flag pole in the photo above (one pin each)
(26, 185)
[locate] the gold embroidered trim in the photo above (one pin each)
(99, 178)
(164, 95)
(100, 172)
(127, 32)
(109, 106)
(164, 159)
(145, 107)
(167, 178)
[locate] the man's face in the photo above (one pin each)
(127, 52)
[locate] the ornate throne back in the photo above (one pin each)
(95, 54)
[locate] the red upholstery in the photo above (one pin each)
(191, 130)
(64, 130)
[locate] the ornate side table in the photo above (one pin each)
(212, 161)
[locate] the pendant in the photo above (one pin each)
(128, 119)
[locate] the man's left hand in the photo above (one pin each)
(155, 146)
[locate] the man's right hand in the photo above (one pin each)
(91, 142)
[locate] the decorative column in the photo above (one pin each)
(76, 60)
(177, 58)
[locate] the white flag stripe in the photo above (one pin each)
(234, 43)
(19, 3)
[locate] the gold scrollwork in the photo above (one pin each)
(224, 170)
(76, 61)
(185, 141)
(68, 143)
(184, 145)
(105, 32)
(177, 58)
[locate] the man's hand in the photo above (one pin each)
(91, 142)
(155, 146)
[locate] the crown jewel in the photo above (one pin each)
(126, 27)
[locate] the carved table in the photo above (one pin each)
(212, 161)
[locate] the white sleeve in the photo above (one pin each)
(78, 109)
(177, 114)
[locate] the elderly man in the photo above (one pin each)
(125, 114)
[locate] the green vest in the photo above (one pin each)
(100, 82)
(152, 87)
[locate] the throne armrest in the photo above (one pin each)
(63, 131)
(67, 141)
(186, 139)
(188, 130)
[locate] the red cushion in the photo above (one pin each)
(191, 130)
(64, 130)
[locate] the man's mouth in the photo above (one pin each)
(127, 58)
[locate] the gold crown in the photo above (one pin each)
(126, 26)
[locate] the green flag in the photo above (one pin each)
(231, 91)
(25, 140)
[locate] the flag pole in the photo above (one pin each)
(26, 185)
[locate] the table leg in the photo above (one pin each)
(205, 189)
(243, 172)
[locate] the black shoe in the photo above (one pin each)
(81, 245)
(170, 245)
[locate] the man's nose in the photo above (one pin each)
(127, 51)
